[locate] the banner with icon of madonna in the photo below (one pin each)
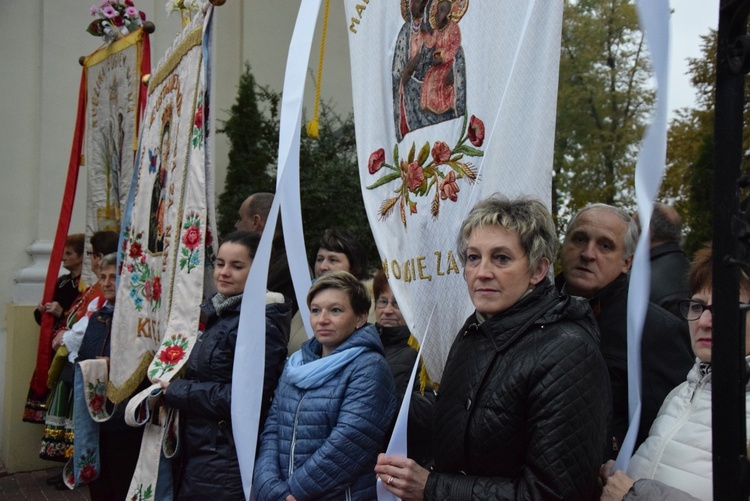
(453, 101)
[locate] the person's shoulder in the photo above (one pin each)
(656, 316)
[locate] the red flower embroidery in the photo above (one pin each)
(156, 292)
(147, 290)
(414, 175)
(192, 237)
(441, 153)
(171, 354)
(209, 238)
(449, 187)
(198, 122)
(135, 250)
(476, 131)
(97, 403)
(88, 473)
(377, 159)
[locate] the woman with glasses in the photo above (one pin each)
(401, 355)
(675, 460)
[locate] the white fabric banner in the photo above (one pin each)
(453, 101)
(112, 90)
(167, 243)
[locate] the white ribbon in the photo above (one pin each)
(649, 170)
(249, 358)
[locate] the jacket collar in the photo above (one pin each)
(393, 336)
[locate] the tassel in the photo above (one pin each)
(313, 126)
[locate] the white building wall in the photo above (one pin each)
(40, 44)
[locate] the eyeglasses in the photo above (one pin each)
(692, 310)
(383, 303)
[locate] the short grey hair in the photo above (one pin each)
(528, 217)
(631, 232)
(108, 260)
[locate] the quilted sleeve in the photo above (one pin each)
(568, 406)
(351, 449)
(267, 479)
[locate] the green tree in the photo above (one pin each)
(603, 105)
(331, 196)
(690, 150)
(253, 132)
(329, 177)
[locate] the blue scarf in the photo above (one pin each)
(317, 372)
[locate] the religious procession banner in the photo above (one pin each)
(167, 245)
(110, 86)
(453, 101)
(116, 99)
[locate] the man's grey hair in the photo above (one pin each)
(631, 233)
(666, 225)
(528, 217)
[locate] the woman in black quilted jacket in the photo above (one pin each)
(523, 404)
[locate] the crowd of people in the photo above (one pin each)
(533, 400)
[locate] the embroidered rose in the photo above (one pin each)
(156, 292)
(414, 175)
(441, 153)
(198, 121)
(449, 187)
(192, 237)
(97, 403)
(147, 290)
(135, 250)
(476, 131)
(377, 159)
(88, 473)
(171, 354)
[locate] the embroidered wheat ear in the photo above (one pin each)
(386, 208)
(435, 207)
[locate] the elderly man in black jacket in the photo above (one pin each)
(596, 257)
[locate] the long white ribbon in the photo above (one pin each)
(249, 359)
(649, 170)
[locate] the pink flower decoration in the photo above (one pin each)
(131, 12)
(192, 237)
(198, 121)
(414, 176)
(377, 159)
(94, 9)
(441, 153)
(449, 187)
(109, 12)
(157, 288)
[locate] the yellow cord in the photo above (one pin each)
(312, 126)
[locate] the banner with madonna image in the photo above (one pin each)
(453, 101)
(167, 237)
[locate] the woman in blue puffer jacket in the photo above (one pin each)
(334, 404)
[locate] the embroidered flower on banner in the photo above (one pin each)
(96, 395)
(145, 285)
(173, 351)
(115, 19)
(141, 494)
(198, 120)
(191, 240)
(86, 464)
(439, 168)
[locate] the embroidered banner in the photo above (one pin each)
(166, 243)
(453, 101)
(113, 91)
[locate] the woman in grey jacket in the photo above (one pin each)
(334, 404)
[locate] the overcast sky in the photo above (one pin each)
(690, 20)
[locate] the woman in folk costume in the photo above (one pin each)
(57, 440)
(119, 444)
(523, 402)
(334, 405)
(208, 467)
(675, 461)
(67, 290)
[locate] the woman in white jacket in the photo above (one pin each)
(675, 462)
